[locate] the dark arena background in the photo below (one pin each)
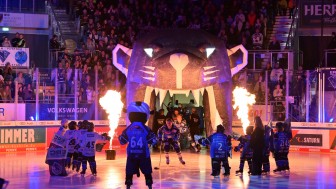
(58, 58)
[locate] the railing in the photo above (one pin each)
(330, 58)
(293, 29)
(258, 59)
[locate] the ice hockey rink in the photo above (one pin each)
(308, 170)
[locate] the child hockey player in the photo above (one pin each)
(246, 152)
(220, 146)
(281, 146)
(169, 135)
(138, 136)
(266, 152)
(78, 156)
(71, 140)
(88, 144)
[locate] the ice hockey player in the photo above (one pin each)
(169, 135)
(138, 136)
(88, 144)
(266, 152)
(78, 156)
(220, 147)
(245, 150)
(71, 140)
(280, 146)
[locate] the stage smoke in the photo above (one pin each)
(112, 104)
(243, 99)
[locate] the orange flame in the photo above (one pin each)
(243, 99)
(112, 104)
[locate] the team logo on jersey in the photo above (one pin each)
(3, 55)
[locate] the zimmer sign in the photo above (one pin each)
(312, 12)
(22, 139)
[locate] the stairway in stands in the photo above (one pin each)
(280, 30)
(68, 27)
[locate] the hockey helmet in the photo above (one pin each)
(90, 127)
(138, 112)
(279, 126)
(72, 125)
(220, 129)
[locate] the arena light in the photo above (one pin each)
(112, 104)
(243, 99)
(5, 29)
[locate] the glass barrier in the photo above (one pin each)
(23, 6)
(260, 59)
(330, 58)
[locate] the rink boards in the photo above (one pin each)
(36, 135)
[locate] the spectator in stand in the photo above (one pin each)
(267, 70)
(239, 20)
(8, 72)
(251, 18)
(28, 93)
(278, 93)
(6, 94)
(20, 79)
(2, 81)
(54, 44)
(282, 82)
(257, 40)
(69, 78)
(15, 40)
(90, 45)
(61, 77)
(282, 7)
(22, 42)
(274, 46)
(275, 74)
(291, 6)
(259, 90)
(6, 42)
(20, 93)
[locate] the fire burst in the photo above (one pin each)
(243, 99)
(112, 104)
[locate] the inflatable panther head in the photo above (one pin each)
(182, 61)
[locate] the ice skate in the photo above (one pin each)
(83, 172)
(128, 186)
(226, 175)
(167, 160)
(182, 161)
(239, 172)
(277, 170)
(263, 172)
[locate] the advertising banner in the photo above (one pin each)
(17, 57)
(12, 112)
(65, 111)
(312, 11)
(330, 83)
(14, 139)
(20, 20)
(311, 139)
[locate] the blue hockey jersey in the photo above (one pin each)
(138, 136)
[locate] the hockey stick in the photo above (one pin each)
(157, 168)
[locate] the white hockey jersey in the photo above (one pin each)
(71, 140)
(88, 143)
(79, 139)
